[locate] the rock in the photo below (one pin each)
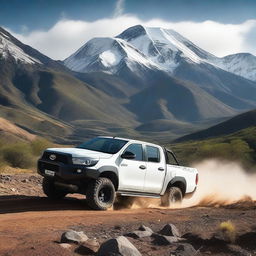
(145, 228)
(5, 178)
(166, 240)
(90, 246)
(65, 245)
(74, 237)
(185, 250)
(119, 246)
(139, 234)
(238, 251)
(169, 230)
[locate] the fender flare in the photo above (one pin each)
(178, 180)
(110, 171)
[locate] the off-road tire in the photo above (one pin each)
(52, 191)
(172, 195)
(100, 194)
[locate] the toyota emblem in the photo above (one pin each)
(52, 157)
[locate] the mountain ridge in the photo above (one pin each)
(235, 124)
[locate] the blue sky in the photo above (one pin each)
(42, 14)
(58, 27)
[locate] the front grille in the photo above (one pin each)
(47, 166)
(62, 158)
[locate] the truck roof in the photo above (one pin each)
(130, 140)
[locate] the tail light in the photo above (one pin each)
(197, 178)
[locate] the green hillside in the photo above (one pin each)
(239, 146)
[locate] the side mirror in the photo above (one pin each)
(128, 155)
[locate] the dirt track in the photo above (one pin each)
(32, 225)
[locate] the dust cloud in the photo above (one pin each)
(220, 183)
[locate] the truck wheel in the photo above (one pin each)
(171, 196)
(100, 194)
(52, 191)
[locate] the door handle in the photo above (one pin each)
(143, 167)
(161, 169)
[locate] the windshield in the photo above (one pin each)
(105, 145)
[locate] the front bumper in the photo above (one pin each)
(65, 171)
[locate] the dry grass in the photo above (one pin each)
(7, 126)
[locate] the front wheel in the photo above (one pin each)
(52, 191)
(100, 194)
(172, 195)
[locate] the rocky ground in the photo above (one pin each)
(30, 224)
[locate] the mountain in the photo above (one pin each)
(242, 64)
(145, 60)
(42, 96)
(174, 99)
(146, 83)
(235, 124)
(160, 48)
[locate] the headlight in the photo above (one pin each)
(84, 161)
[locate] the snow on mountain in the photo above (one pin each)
(242, 64)
(106, 54)
(164, 47)
(8, 48)
(159, 48)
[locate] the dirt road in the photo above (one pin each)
(32, 225)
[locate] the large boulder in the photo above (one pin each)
(119, 246)
(170, 230)
(72, 236)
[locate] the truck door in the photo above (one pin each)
(132, 171)
(156, 169)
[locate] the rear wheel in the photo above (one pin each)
(172, 195)
(52, 191)
(100, 194)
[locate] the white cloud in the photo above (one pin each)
(119, 8)
(66, 36)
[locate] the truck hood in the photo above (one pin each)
(79, 152)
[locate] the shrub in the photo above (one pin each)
(228, 231)
(17, 155)
(39, 145)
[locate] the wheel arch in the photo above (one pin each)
(179, 182)
(112, 175)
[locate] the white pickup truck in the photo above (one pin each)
(106, 167)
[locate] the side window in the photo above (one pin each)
(170, 159)
(153, 154)
(137, 150)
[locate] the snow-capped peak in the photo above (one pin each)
(164, 49)
(9, 49)
(106, 53)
